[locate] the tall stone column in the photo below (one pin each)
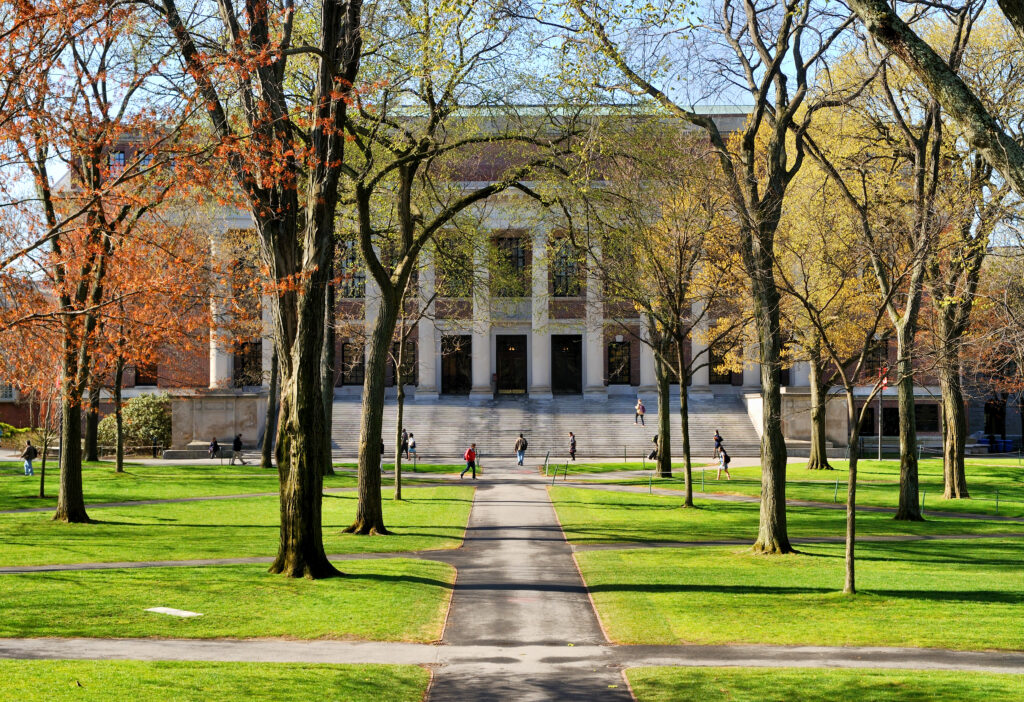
(540, 332)
(426, 344)
(222, 360)
(481, 371)
(701, 377)
(648, 379)
(593, 347)
(751, 369)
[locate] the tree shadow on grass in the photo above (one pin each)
(386, 578)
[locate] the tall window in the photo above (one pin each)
(454, 272)
(409, 365)
(352, 364)
(566, 271)
(146, 373)
(6, 392)
(352, 275)
(876, 360)
(118, 159)
(510, 278)
(619, 363)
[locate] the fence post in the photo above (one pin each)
(997, 502)
(702, 472)
(835, 495)
(924, 494)
(623, 454)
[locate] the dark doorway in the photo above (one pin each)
(510, 360)
(566, 364)
(456, 364)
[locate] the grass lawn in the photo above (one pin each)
(407, 468)
(940, 594)
(78, 681)
(782, 685)
(878, 484)
(610, 467)
(140, 482)
(428, 518)
(603, 516)
(383, 599)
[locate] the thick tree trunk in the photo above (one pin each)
(772, 534)
(684, 421)
(369, 512)
(301, 449)
(909, 508)
(398, 428)
(92, 421)
(118, 419)
(71, 498)
(664, 420)
(327, 361)
(818, 459)
(954, 429)
(270, 423)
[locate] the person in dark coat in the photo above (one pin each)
(236, 450)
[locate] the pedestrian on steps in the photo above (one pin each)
(470, 458)
(412, 447)
(640, 411)
(521, 444)
(718, 444)
(405, 443)
(572, 446)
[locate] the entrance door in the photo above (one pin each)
(510, 360)
(566, 364)
(456, 364)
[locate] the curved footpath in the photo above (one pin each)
(521, 624)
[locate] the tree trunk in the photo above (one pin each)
(70, 497)
(369, 512)
(118, 381)
(684, 423)
(398, 426)
(92, 421)
(327, 362)
(301, 449)
(818, 459)
(772, 533)
(270, 423)
(909, 508)
(954, 429)
(664, 458)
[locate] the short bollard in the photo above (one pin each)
(702, 472)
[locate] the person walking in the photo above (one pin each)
(572, 446)
(412, 447)
(653, 455)
(521, 445)
(236, 450)
(405, 442)
(718, 444)
(640, 411)
(723, 464)
(29, 455)
(214, 448)
(470, 458)
(382, 457)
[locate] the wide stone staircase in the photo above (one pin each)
(443, 428)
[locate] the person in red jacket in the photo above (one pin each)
(470, 457)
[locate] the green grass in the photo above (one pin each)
(89, 681)
(407, 468)
(428, 518)
(783, 685)
(382, 599)
(878, 484)
(139, 482)
(609, 467)
(941, 594)
(604, 516)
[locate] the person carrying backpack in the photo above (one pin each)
(640, 411)
(572, 446)
(521, 444)
(723, 464)
(29, 455)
